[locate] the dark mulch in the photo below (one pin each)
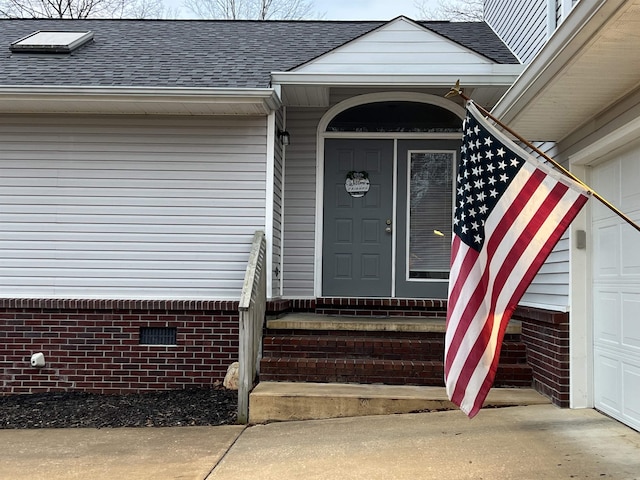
(175, 408)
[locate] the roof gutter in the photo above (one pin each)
(138, 100)
(583, 22)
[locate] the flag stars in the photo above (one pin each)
(486, 168)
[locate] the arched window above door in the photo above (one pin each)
(396, 116)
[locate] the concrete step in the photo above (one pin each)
(373, 371)
(313, 321)
(284, 401)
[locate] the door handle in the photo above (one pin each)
(388, 229)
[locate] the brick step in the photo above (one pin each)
(350, 347)
(370, 371)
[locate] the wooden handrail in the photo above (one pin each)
(252, 308)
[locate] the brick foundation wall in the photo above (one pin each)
(546, 335)
(94, 345)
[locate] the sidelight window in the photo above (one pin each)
(430, 207)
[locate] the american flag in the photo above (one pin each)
(511, 210)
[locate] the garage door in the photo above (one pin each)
(616, 289)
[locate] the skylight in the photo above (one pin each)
(52, 41)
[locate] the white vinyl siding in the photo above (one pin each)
(300, 202)
(550, 288)
(400, 47)
(129, 207)
(521, 24)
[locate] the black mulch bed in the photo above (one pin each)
(174, 408)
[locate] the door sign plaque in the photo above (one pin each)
(357, 183)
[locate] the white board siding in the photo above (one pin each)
(521, 24)
(129, 207)
(278, 185)
(399, 47)
(300, 202)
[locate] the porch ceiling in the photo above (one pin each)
(319, 95)
(591, 62)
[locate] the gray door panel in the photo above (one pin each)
(356, 260)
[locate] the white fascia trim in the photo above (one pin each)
(586, 19)
(501, 77)
(268, 97)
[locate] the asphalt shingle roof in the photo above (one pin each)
(198, 53)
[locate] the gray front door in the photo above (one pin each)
(357, 237)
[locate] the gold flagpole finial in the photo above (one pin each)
(455, 90)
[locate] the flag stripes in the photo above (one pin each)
(486, 283)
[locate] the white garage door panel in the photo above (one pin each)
(631, 393)
(607, 310)
(631, 322)
(607, 372)
(629, 174)
(605, 180)
(606, 240)
(630, 252)
(616, 290)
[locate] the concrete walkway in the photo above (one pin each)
(532, 442)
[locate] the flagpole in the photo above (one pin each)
(456, 90)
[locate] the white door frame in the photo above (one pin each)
(322, 134)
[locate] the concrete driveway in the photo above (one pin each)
(533, 442)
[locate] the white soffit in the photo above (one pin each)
(591, 62)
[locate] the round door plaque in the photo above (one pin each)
(357, 183)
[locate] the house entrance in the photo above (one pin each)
(387, 217)
(388, 201)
